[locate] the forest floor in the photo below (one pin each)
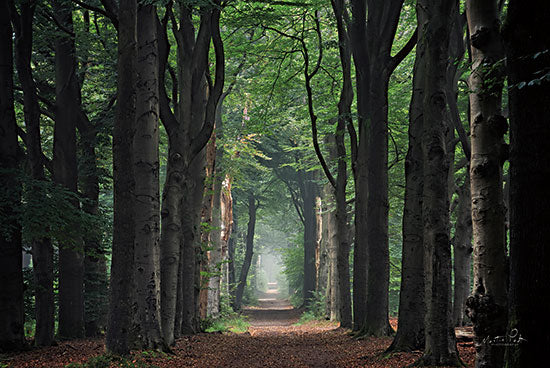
(274, 339)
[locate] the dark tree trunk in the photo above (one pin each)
(487, 306)
(67, 107)
(122, 266)
(11, 251)
(371, 42)
(147, 198)
(412, 308)
(308, 190)
(252, 208)
(434, 21)
(42, 249)
(527, 44)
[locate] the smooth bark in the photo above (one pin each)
(147, 198)
(435, 20)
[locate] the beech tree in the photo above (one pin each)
(435, 20)
(122, 264)
(487, 306)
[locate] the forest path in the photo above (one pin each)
(273, 340)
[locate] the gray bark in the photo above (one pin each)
(487, 306)
(147, 198)
(435, 20)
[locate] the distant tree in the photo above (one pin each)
(42, 250)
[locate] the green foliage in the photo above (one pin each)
(315, 310)
(293, 268)
(228, 320)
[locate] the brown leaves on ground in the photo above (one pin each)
(273, 340)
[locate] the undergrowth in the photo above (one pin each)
(138, 360)
(315, 310)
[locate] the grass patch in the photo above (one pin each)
(235, 323)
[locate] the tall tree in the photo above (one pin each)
(528, 58)
(146, 169)
(435, 20)
(189, 128)
(42, 250)
(412, 309)
(67, 107)
(372, 38)
(122, 265)
(11, 275)
(487, 306)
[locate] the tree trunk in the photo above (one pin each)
(215, 268)
(42, 249)
(435, 20)
(329, 243)
(371, 42)
(487, 306)
(11, 251)
(527, 44)
(147, 198)
(231, 257)
(252, 208)
(206, 227)
(462, 249)
(71, 258)
(308, 191)
(321, 250)
(95, 262)
(122, 280)
(412, 308)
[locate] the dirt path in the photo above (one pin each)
(273, 340)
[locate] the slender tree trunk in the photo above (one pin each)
(462, 249)
(321, 251)
(71, 258)
(95, 265)
(42, 249)
(146, 169)
(11, 251)
(122, 280)
(252, 208)
(308, 190)
(487, 306)
(412, 308)
(216, 245)
(206, 227)
(435, 20)
(527, 42)
(231, 257)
